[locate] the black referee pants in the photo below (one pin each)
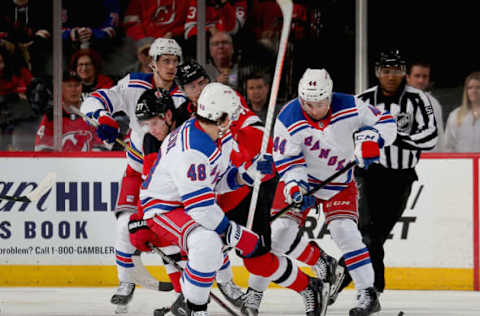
(383, 196)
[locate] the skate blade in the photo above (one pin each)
(121, 309)
(325, 297)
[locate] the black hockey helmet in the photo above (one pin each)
(154, 102)
(390, 58)
(190, 71)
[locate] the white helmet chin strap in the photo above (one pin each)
(222, 130)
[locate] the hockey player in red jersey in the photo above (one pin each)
(101, 105)
(315, 135)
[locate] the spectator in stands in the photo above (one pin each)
(223, 67)
(418, 76)
(89, 24)
(77, 134)
(87, 64)
(257, 88)
(13, 106)
(152, 18)
(27, 24)
(143, 58)
(221, 15)
(462, 133)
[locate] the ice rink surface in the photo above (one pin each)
(16, 301)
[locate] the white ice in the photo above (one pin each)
(16, 301)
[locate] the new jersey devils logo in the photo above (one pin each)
(77, 141)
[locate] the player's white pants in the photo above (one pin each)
(205, 257)
(225, 273)
(346, 235)
(124, 250)
(129, 267)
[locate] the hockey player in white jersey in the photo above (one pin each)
(178, 196)
(315, 135)
(101, 105)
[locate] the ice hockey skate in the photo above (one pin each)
(315, 298)
(232, 292)
(337, 286)
(178, 308)
(325, 269)
(123, 296)
(251, 302)
(367, 303)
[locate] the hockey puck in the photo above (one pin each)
(400, 314)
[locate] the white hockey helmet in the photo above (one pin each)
(217, 99)
(165, 46)
(315, 85)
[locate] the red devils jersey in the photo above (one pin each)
(77, 135)
(227, 18)
(153, 18)
(247, 132)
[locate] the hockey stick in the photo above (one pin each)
(287, 7)
(94, 123)
(37, 193)
(179, 268)
(145, 279)
(312, 191)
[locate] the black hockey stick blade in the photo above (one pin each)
(328, 180)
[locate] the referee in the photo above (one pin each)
(385, 187)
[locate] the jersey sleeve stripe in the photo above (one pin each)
(342, 117)
(161, 204)
(135, 83)
(285, 164)
(104, 100)
(344, 112)
(199, 201)
(215, 156)
(297, 127)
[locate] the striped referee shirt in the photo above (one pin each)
(416, 126)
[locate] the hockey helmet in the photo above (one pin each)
(390, 58)
(165, 46)
(216, 100)
(152, 103)
(315, 85)
(189, 72)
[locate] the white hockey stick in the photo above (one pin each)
(37, 193)
(287, 7)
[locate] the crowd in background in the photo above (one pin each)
(104, 40)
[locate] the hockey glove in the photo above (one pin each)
(140, 234)
(264, 165)
(108, 129)
(294, 194)
(367, 146)
(241, 238)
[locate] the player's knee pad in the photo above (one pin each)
(284, 232)
(204, 250)
(346, 235)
